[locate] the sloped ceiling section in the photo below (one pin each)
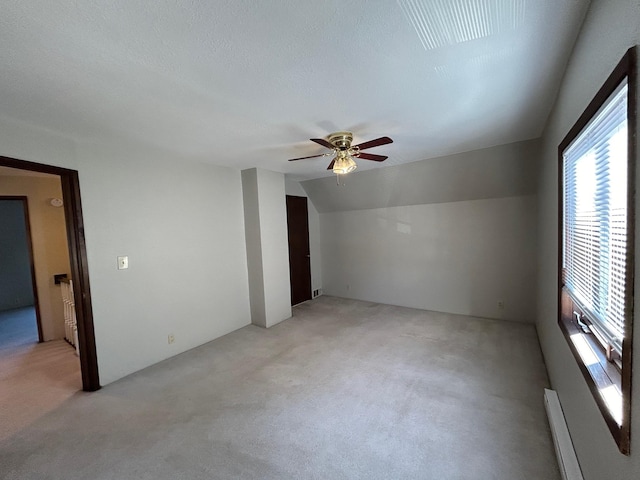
(246, 83)
(496, 172)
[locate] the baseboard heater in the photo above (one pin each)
(567, 460)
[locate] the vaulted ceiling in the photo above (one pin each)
(247, 83)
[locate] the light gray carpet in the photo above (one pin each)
(343, 390)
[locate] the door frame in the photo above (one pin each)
(78, 262)
(32, 265)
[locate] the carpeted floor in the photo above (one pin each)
(35, 378)
(18, 328)
(343, 390)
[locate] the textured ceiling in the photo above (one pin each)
(247, 83)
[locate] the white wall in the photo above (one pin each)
(254, 246)
(181, 223)
(49, 242)
(457, 257)
(267, 246)
(610, 28)
(294, 188)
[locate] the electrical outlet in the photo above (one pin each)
(171, 338)
(500, 304)
(123, 263)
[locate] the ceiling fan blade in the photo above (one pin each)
(330, 167)
(303, 158)
(374, 143)
(323, 142)
(371, 156)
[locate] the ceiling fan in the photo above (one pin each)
(340, 145)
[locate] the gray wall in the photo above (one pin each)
(457, 257)
(502, 171)
(454, 234)
(610, 28)
(16, 287)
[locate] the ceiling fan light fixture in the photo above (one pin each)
(344, 164)
(340, 145)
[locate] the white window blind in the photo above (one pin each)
(595, 218)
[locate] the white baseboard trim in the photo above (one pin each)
(567, 460)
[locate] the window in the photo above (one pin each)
(596, 243)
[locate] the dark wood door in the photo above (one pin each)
(299, 257)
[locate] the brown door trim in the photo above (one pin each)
(32, 265)
(78, 260)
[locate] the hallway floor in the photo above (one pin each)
(35, 378)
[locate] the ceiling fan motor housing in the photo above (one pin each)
(342, 140)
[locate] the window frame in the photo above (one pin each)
(593, 373)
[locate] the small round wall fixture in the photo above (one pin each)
(56, 202)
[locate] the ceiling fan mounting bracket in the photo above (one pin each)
(341, 140)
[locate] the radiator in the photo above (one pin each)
(567, 460)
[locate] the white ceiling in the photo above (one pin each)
(247, 83)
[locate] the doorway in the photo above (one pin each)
(299, 252)
(18, 289)
(78, 263)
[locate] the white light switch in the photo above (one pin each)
(123, 263)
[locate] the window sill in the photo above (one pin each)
(601, 374)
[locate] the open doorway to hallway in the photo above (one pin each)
(76, 244)
(39, 369)
(37, 377)
(34, 250)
